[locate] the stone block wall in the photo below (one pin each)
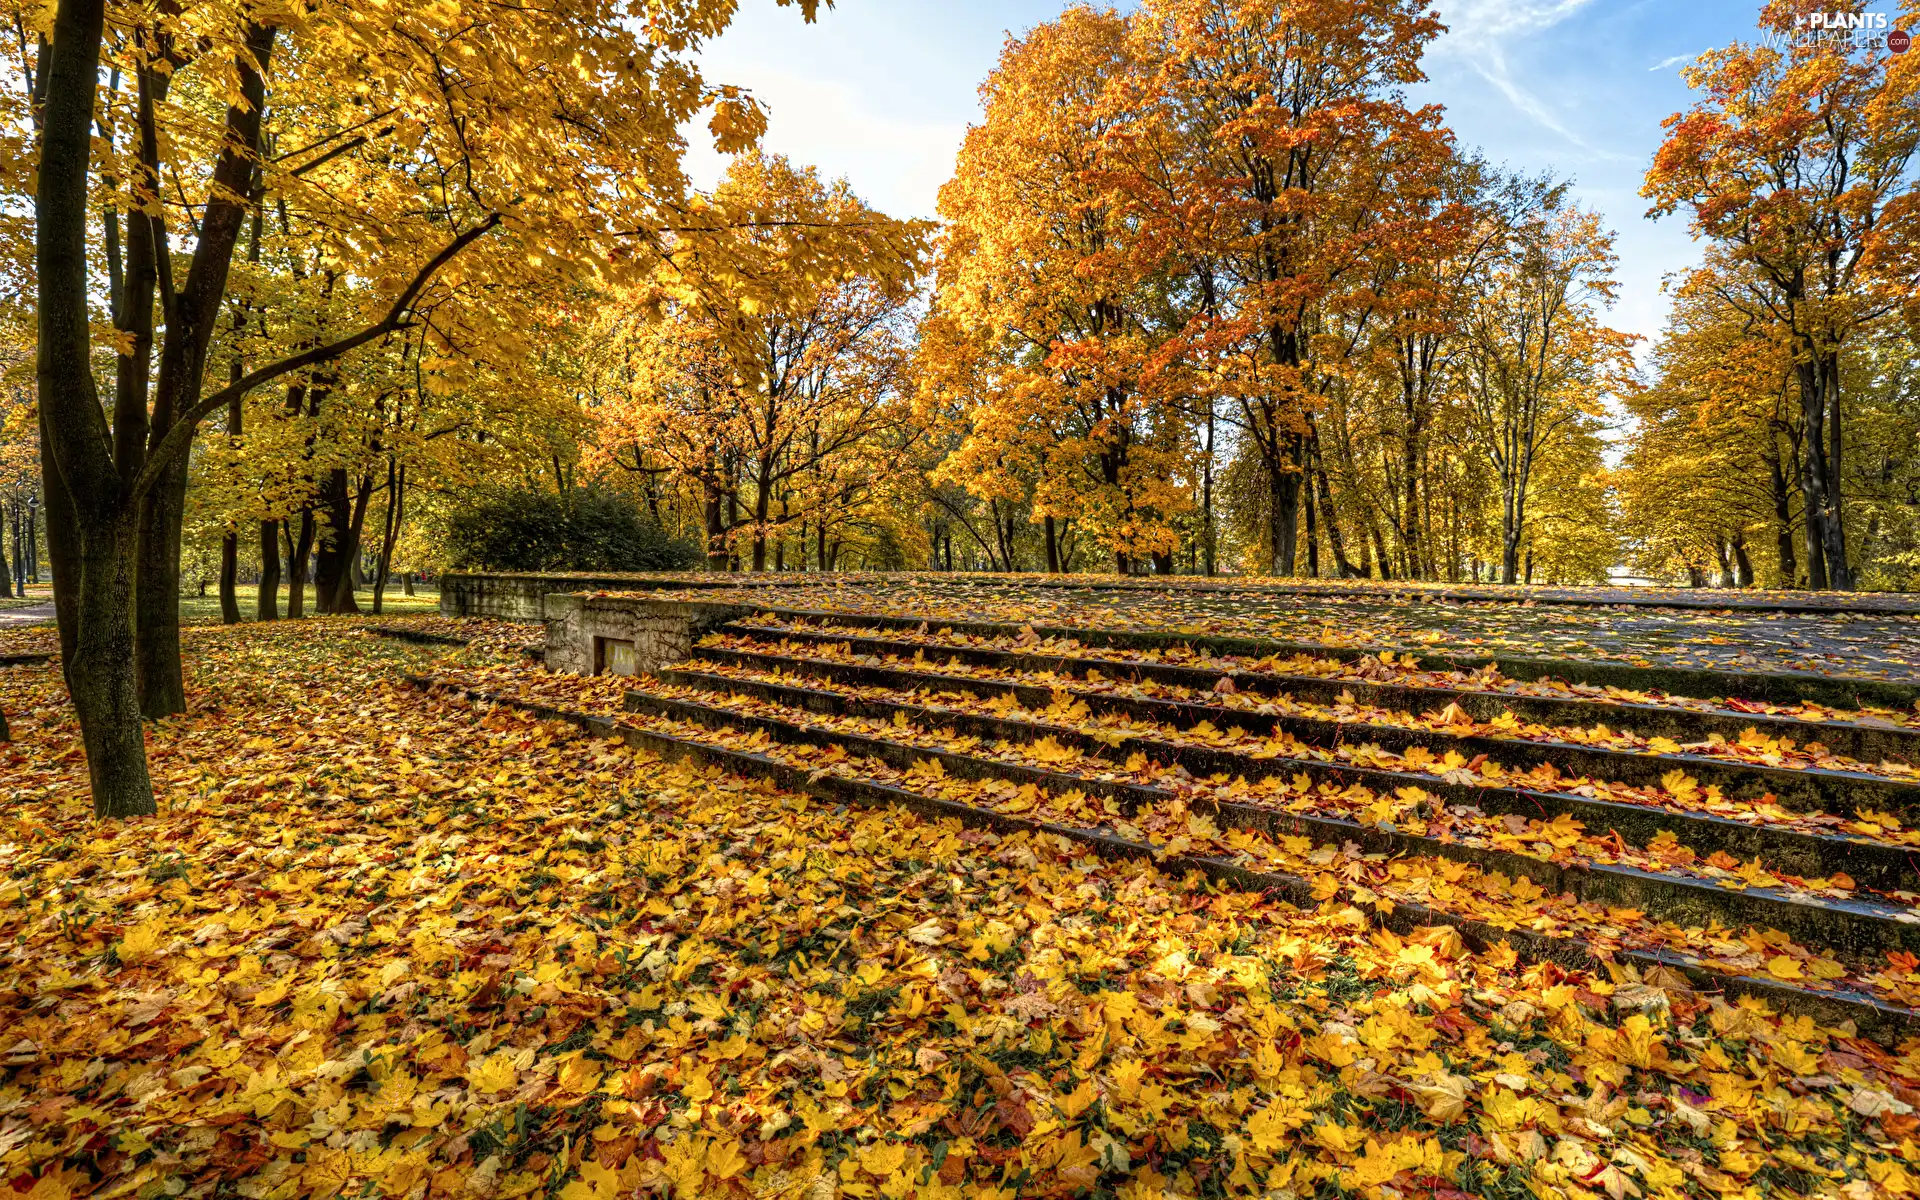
(516, 597)
(626, 635)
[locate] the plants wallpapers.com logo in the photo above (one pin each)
(1862, 30)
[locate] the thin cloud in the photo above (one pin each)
(1672, 60)
(1478, 33)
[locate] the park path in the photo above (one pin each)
(33, 614)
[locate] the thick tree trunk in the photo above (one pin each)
(1283, 516)
(1313, 536)
(156, 618)
(1162, 563)
(98, 652)
(63, 548)
(267, 607)
(1053, 545)
(333, 564)
(1743, 565)
(104, 687)
(1816, 481)
(334, 567)
(230, 579)
(1510, 555)
(12, 524)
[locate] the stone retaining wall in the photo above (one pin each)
(515, 597)
(626, 635)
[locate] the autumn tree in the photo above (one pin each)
(1796, 160)
(1712, 462)
(1050, 309)
(1304, 169)
(772, 380)
(1538, 361)
(475, 121)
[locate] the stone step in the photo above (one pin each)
(1873, 1018)
(1680, 722)
(1873, 864)
(1867, 743)
(1804, 790)
(1862, 928)
(1776, 687)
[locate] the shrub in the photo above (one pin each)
(591, 530)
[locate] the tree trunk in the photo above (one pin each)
(1743, 565)
(1814, 477)
(267, 606)
(297, 567)
(12, 524)
(1162, 563)
(1783, 525)
(390, 531)
(230, 544)
(63, 548)
(230, 578)
(1283, 517)
(760, 527)
(156, 621)
(1313, 535)
(1053, 545)
(94, 494)
(716, 541)
(183, 359)
(1833, 532)
(333, 563)
(338, 598)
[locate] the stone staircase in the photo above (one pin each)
(1749, 846)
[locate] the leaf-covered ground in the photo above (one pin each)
(1869, 645)
(387, 943)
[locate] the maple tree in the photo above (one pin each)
(1050, 309)
(1797, 162)
(475, 127)
(774, 388)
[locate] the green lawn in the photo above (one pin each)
(37, 593)
(207, 607)
(194, 607)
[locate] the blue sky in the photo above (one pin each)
(880, 91)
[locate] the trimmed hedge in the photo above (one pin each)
(591, 530)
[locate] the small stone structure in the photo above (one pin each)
(517, 597)
(626, 635)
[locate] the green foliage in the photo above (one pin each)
(521, 529)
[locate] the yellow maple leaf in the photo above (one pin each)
(724, 1159)
(883, 1158)
(494, 1073)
